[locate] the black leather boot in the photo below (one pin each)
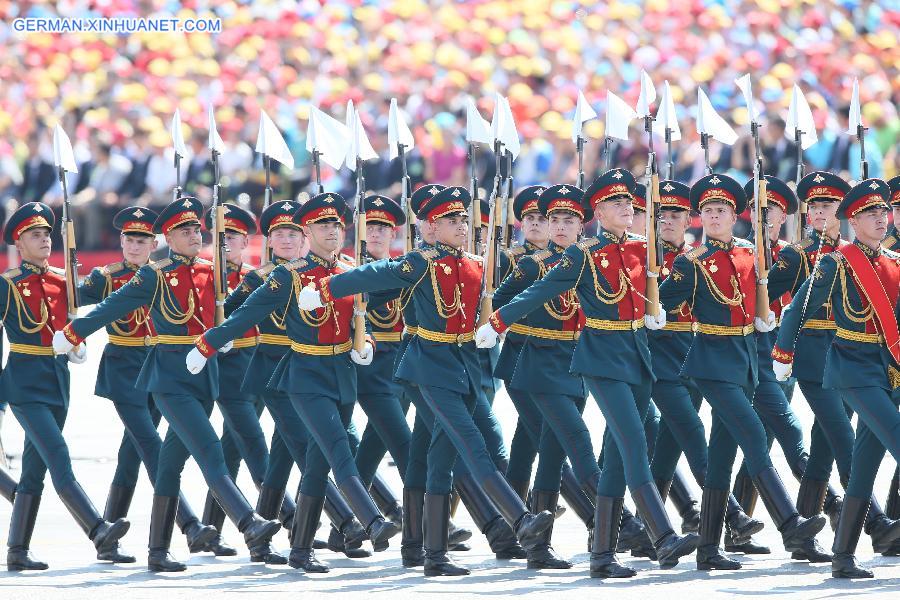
(117, 503)
(542, 555)
(104, 534)
(257, 531)
(521, 489)
(528, 526)
(21, 526)
(162, 522)
(795, 530)
(669, 545)
(386, 500)
(458, 537)
(286, 512)
(412, 549)
(684, 503)
(213, 516)
(607, 516)
(712, 519)
(488, 519)
(810, 500)
(853, 516)
(741, 526)
(7, 483)
(268, 506)
(883, 531)
(346, 534)
(575, 497)
(892, 506)
(306, 521)
(379, 529)
(633, 536)
(832, 507)
(437, 519)
(745, 493)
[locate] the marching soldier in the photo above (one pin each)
(36, 385)
(130, 340)
(608, 275)
(318, 375)
(862, 283)
(179, 293)
(443, 361)
(892, 242)
(718, 282)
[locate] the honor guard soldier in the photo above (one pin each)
(608, 274)
(892, 242)
(35, 382)
(443, 361)
(718, 282)
(180, 294)
(130, 340)
(318, 374)
(862, 283)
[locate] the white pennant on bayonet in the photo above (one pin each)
(398, 131)
(800, 117)
(855, 113)
(63, 157)
(177, 135)
(328, 136)
(269, 141)
(666, 117)
(710, 123)
(503, 126)
(619, 115)
(359, 144)
(583, 112)
(743, 83)
(478, 130)
(215, 141)
(647, 96)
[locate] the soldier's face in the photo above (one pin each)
(378, 239)
(616, 215)
(718, 220)
(451, 230)
(564, 228)
(235, 244)
(185, 240)
(535, 227)
(775, 217)
(639, 224)
(34, 244)
(324, 238)
(288, 243)
(426, 231)
(870, 226)
(822, 215)
(672, 225)
(896, 212)
(136, 248)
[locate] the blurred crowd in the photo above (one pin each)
(116, 95)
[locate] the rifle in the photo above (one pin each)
(761, 221)
(475, 240)
(654, 247)
(70, 249)
(579, 149)
(317, 168)
(704, 143)
(404, 198)
(360, 301)
(863, 163)
(220, 264)
(509, 213)
(267, 200)
(801, 168)
(494, 243)
(670, 163)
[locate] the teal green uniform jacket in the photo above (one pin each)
(718, 282)
(234, 364)
(512, 345)
(386, 321)
(180, 294)
(670, 346)
(608, 275)
(848, 363)
(34, 307)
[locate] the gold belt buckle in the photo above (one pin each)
(148, 339)
(634, 325)
(460, 339)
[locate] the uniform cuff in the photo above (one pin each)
(70, 334)
(325, 290)
(205, 349)
(781, 356)
(497, 323)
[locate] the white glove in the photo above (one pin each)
(195, 361)
(309, 299)
(782, 370)
(78, 354)
(365, 357)
(655, 323)
(765, 326)
(227, 347)
(61, 345)
(486, 336)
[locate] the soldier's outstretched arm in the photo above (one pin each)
(385, 274)
(680, 285)
(522, 276)
(814, 292)
(139, 292)
(272, 295)
(785, 274)
(251, 282)
(92, 289)
(561, 278)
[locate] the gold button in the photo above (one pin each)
(201, 309)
